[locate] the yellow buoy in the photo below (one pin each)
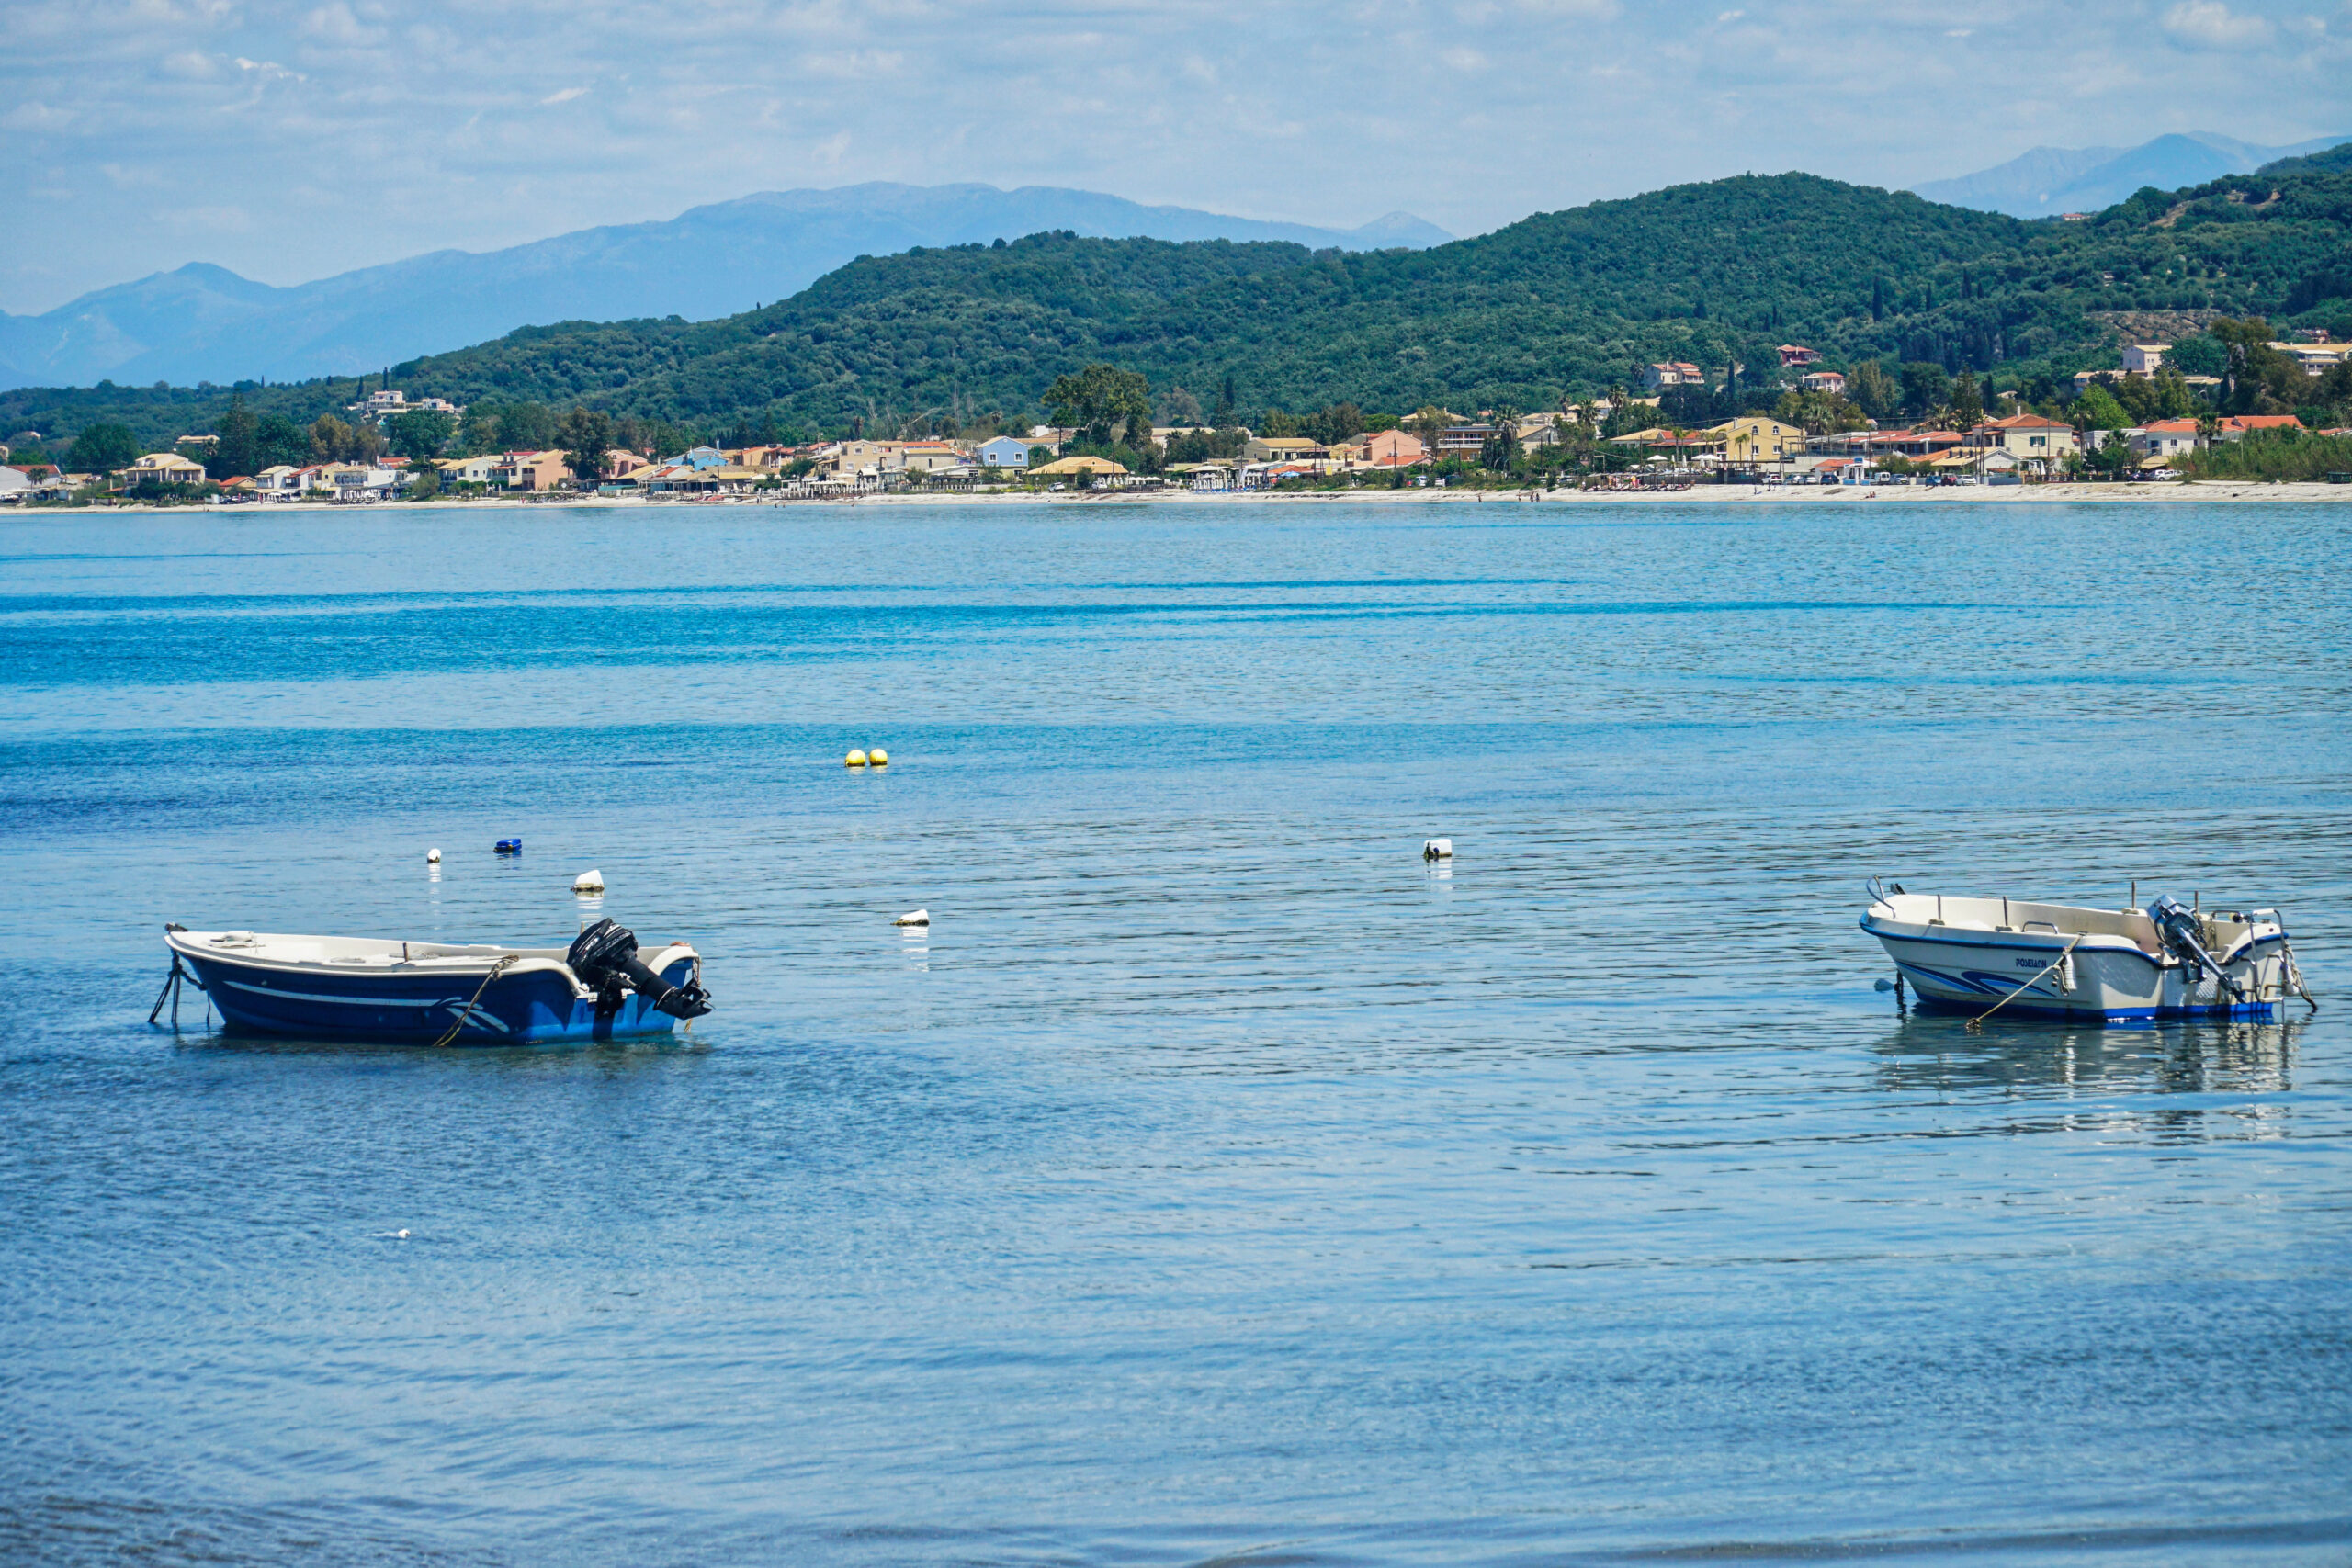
(878, 757)
(855, 760)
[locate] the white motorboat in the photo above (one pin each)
(330, 988)
(2168, 960)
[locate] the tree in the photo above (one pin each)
(2112, 457)
(102, 448)
(2098, 410)
(330, 439)
(1226, 415)
(1818, 413)
(1967, 406)
(277, 441)
(2199, 356)
(1097, 399)
(585, 436)
(1871, 387)
(1925, 386)
(480, 430)
(2261, 380)
(508, 427)
(421, 433)
(1341, 422)
(240, 442)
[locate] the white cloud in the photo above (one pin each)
(334, 23)
(36, 117)
(1320, 110)
(2210, 24)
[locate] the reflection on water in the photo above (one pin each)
(2187, 1056)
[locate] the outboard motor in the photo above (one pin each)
(2177, 924)
(605, 957)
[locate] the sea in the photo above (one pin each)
(1213, 1181)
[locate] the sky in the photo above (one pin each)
(288, 140)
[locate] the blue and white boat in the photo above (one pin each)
(334, 987)
(2098, 965)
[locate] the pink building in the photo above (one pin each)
(530, 470)
(1393, 449)
(1795, 354)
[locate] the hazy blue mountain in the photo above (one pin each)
(204, 323)
(2051, 180)
(2021, 186)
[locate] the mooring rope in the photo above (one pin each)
(467, 1011)
(172, 983)
(1978, 1021)
(2294, 976)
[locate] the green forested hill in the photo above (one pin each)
(1563, 303)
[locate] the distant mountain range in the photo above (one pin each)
(2052, 180)
(206, 324)
(1559, 305)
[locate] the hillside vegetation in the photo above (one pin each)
(1563, 304)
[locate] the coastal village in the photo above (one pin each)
(2007, 443)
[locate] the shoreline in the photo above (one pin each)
(2161, 492)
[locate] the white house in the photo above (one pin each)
(164, 467)
(2163, 438)
(467, 470)
(2146, 358)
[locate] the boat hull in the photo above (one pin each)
(536, 1004)
(2106, 981)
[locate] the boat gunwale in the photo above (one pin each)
(2041, 941)
(519, 961)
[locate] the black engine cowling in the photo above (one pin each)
(605, 957)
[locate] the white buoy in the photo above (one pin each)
(1438, 848)
(878, 757)
(588, 882)
(913, 918)
(433, 857)
(855, 760)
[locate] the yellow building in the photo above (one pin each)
(1100, 468)
(1752, 438)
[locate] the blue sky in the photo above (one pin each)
(290, 139)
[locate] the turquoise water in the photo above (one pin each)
(1213, 1179)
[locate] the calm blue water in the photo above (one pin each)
(1212, 1181)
